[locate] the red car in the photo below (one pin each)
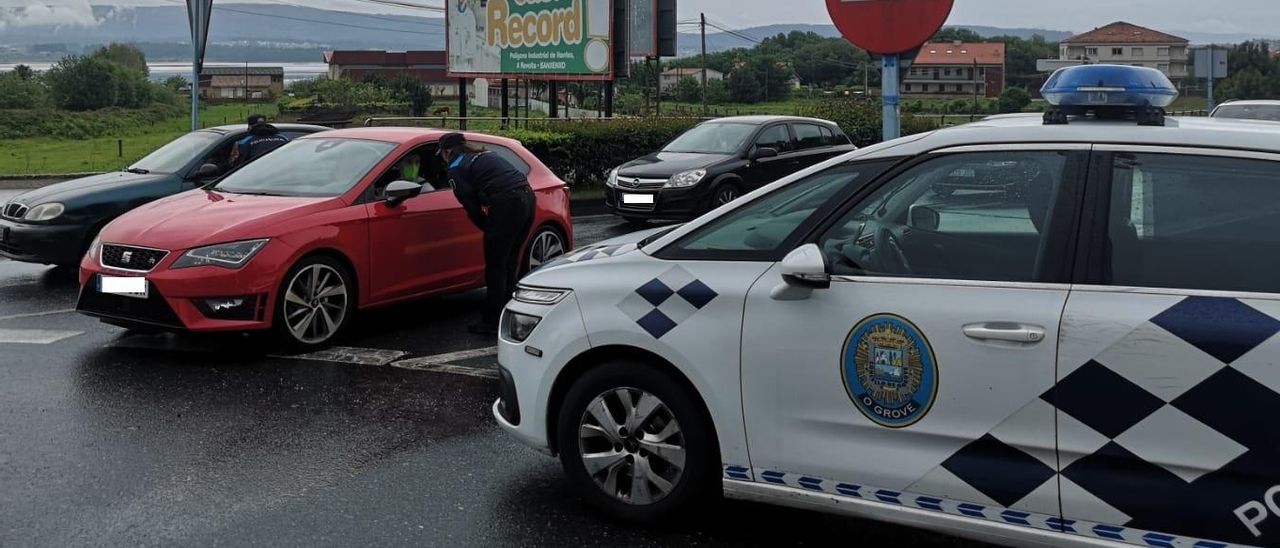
(301, 240)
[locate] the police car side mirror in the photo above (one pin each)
(803, 271)
(399, 191)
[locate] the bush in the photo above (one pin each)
(1014, 99)
(19, 92)
(90, 83)
(61, 124)
(583, 153)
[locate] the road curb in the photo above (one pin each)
(28, 182)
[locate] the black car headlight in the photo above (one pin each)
(45, 212)
(517, 327)
(232, 255)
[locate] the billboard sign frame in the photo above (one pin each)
(632, 9)
(500, 73)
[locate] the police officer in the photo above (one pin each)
(262, 139)
(500, 202)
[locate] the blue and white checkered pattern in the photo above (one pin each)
(1169, 429)
(987, 512)
(663, 303)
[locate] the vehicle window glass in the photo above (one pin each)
(1193, 222)
(765, 224)
(828, 137)
(1249, 112)
(423, 166)
(309, 167)
(178, 153)
(712, 138)
(775, 137)
(510, 156)
(809, 136)
(981, 216)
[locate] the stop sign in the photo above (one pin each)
(889, 27)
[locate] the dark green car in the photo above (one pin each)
(55, 224)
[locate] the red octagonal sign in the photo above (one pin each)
(889, 27)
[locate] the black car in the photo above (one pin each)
(55, 224)
(717, 161)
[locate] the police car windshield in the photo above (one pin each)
(177, 154)
(315, 167)
(1269, 113)
(713, 138)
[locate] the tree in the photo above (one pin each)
(956, 34)
(19, 92)
(411, 89)
(125, 55)
(375, 79)
(24, 72)
(174, 83)
(1014, 99)
(689, 90)
(744, 87)
(83, 83)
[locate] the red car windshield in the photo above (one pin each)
(316, 167)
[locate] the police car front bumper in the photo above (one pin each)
(529, 369)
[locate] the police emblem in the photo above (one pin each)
(889, 371)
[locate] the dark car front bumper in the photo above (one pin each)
(40, 243)
(673, 204)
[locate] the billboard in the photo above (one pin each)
(642, 28)
(553, 39)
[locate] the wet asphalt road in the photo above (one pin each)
(113, 439)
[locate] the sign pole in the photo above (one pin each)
(1212, 66)
(891, 98)
(198, 15)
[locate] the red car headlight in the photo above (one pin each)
(232, 255)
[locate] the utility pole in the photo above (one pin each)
(246, 79)
(866, 79)
(657, 108)
(704, 64)
(975, 88)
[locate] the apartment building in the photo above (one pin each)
(957, 68)
(1122, 43)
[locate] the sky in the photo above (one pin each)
(1221, 16)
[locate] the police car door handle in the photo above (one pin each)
(1005, 332)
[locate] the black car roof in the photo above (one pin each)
(223, 130)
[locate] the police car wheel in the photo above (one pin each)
(315, 303)
(636, 443)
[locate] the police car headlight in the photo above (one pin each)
(45, 212)
(686, 179)
(232, 255)
(517, 327)
(613, 178)
(540, 295)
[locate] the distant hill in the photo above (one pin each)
(294, 33)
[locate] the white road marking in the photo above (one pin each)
(445, 363)
(36, 314)
(35, 336)
(355, 356)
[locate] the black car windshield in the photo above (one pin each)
(178, 153)
(1249, 112)
(316, 167)
(713, 138)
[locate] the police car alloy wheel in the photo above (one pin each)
(636, 443)
(315, 302)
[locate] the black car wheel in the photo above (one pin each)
(636, 443)
(725, 194)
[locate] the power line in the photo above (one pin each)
(378, 17)
(319, 22)
(406, 5)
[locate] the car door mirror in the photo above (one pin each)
(924, 218)
(761, 153)
(399, 191)
(803, 271)
(207, 171)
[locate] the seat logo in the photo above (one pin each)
(126, 257)
(889, 371)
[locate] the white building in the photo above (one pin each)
(1124, 43)
(672, 77)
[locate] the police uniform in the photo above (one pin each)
(484, 181)
(263, 138)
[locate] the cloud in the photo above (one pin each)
(48, 13)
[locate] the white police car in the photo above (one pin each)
(1083, 348)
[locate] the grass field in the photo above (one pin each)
(56, 156)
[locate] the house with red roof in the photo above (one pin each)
(957, 68)
(431, 67)
(1124, 43)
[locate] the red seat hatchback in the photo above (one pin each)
(302, 239)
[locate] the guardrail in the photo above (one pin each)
(493, 122)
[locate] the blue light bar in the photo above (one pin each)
(1092, 87)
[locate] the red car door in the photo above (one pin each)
(424, 245)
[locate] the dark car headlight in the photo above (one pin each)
(517, 327)
(45, 212)
(232, 255)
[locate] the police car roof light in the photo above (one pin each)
(1108, 91)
